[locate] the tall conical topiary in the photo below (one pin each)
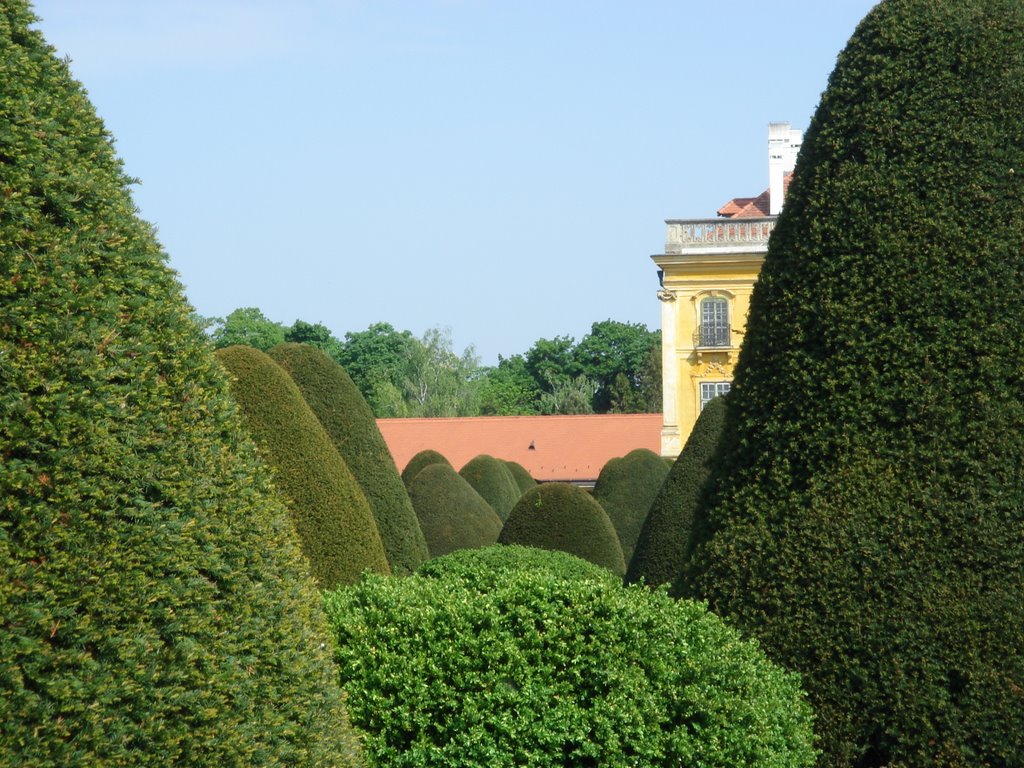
(869, 522)
(565, 518)
(330, 511)
(522, 476)
(155, 608)
(452, 515)
(492, 479)
(626, 488)
(421, 460)
(342, 410)
(662, 545)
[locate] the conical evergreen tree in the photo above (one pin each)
(341, 408)
(492, 479)
(155, 608)
(452, 515)
(330, 511)
(421, 460)
(665, 536)
(626, 488)
(868, 526)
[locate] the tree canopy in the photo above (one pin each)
(867, 515)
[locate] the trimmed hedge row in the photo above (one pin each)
(867, 523)
(421, 460)
(626, 488)
(566, 518)
(155, 607)
(662, 546)
(531, 665)
(330, 512)
(452, 515)
(342, 410)
(492, 479)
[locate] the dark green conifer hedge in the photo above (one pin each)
(452, 515)
(665, 536)
(342, 410)
(155, 608)
(521, 475)
(492, 479)
(565, 518)
(868, 525)
(330, 511)
(422, 459)
(626, 488)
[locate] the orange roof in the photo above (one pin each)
(564, 448)
(746, 207)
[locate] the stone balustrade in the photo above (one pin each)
(684, 234)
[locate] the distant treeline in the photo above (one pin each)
(616, 368)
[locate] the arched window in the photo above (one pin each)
(714, 322)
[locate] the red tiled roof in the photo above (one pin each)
(747, 207)
(565, 448)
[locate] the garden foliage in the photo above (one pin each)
(492, 479)
(452, 515)
(566, 518)
(329, 510)
(486, 663)
(422, 459)
(665, 536)
(521, 475)
(868, 518)
(626, 488)
(348, 421)
(155, 608)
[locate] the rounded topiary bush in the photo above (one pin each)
(423, 459)
(866, 520)
(492, 479)
(521, 475)
(566, 518)
(665, 536)
(452, 515)
(342, 410)
(535, 666)
(155, 607)
(626, 488)
(485, 569)
(330, 512)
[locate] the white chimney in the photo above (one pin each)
(783, 147)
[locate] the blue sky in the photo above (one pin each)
(499, 167)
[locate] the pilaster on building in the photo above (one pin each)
(707, 274)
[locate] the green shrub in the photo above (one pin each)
(665, 536)
(867, 522)
(492, 479)
(344, 414)
(564, 518)
(422, 459)
(626, 488)
(452, 515)
(487, 568)
(155, 607)
(522, 477)
(542, 668)
(330, 512)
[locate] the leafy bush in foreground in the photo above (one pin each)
(626, 488)
(342, 410)
(665, 536)
(452, 515)
(492, 479)
(867, 515)
(155, 608)
(330, 512)
(528, 667)
(565, 518)
(484, 569)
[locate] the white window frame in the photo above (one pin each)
(709, 390)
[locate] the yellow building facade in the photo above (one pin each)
(707, 275)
